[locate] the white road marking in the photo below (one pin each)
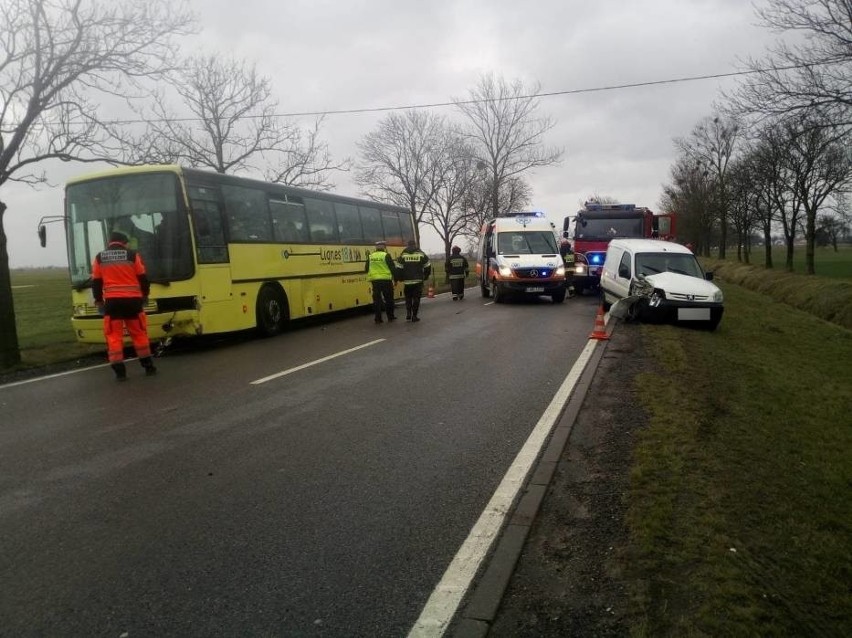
(313, 363)
(23, 286)
(53, 376)
(445, 599)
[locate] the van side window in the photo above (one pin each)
(624, 266)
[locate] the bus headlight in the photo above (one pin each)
(505, 271)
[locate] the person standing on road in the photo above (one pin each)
(413, 269)
(380, 270)
(567, 253)
(120, 288)
(457, 270)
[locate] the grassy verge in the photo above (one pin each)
(43, 318)
(739, 512)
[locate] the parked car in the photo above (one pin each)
(654, 280)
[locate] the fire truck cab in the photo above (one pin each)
(595, 225)
(518, 254)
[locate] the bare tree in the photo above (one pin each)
(820, 164)
(234, 127)
(455, 179)
(399, 161)
(505, 131)
(57, 58)
(691, 194)
(711, 145)
(812, 77)
(597, 198)
(513, 195)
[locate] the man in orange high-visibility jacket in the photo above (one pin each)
(120, 285)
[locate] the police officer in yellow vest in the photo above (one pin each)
(380, 273)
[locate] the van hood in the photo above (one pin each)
(673, 283)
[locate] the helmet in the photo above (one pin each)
(456, 250)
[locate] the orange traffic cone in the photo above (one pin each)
(430, 293)
(600, 327)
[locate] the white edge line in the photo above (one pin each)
(313, 363)
(53, 376)
(447, 595)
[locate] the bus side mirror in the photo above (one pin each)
(42, 235)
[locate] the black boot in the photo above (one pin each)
(148, 364)
(120, 371)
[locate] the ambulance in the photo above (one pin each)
(518, 254)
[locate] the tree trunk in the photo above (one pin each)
(767, 245)
(10, 354)
(810, 240)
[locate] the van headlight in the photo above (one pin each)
(560, 271)
(505, 271)
(580, 269)
(657, 297)
(718, 297)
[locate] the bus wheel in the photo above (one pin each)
(271, 310)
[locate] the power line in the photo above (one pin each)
(382, 109)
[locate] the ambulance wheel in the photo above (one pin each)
(497, 292)
(558, 297)
(486, 293)
(272, 311)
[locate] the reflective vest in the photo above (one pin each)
(457, 267)
(118, 273)
(413, 266)
(378, 269)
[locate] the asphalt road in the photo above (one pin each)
(219, 499)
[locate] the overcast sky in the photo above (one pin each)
(331, 55)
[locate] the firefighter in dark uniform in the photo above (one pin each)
(457, 270)
(413, 268)
(568, 258)
(380, 270)
(120, 286)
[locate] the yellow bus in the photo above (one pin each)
(225, 253)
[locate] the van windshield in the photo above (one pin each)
(526, 242)
(680, 263)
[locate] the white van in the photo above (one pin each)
(519, 254)
(659, 281)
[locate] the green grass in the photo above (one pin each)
(827, 261)
(739, 510)
(43, 317)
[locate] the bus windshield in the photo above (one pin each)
(146, 207)
(605, 229)
(519, 242)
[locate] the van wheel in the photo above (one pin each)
(485, 291)
(604, 303)
(271, 310)
(497, 292)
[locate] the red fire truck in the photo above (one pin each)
(596, 224)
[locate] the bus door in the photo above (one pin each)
(211, 248)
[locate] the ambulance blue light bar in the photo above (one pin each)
(528, 213)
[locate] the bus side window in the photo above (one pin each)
(288, 219)
(371, 222)
(321, 221)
